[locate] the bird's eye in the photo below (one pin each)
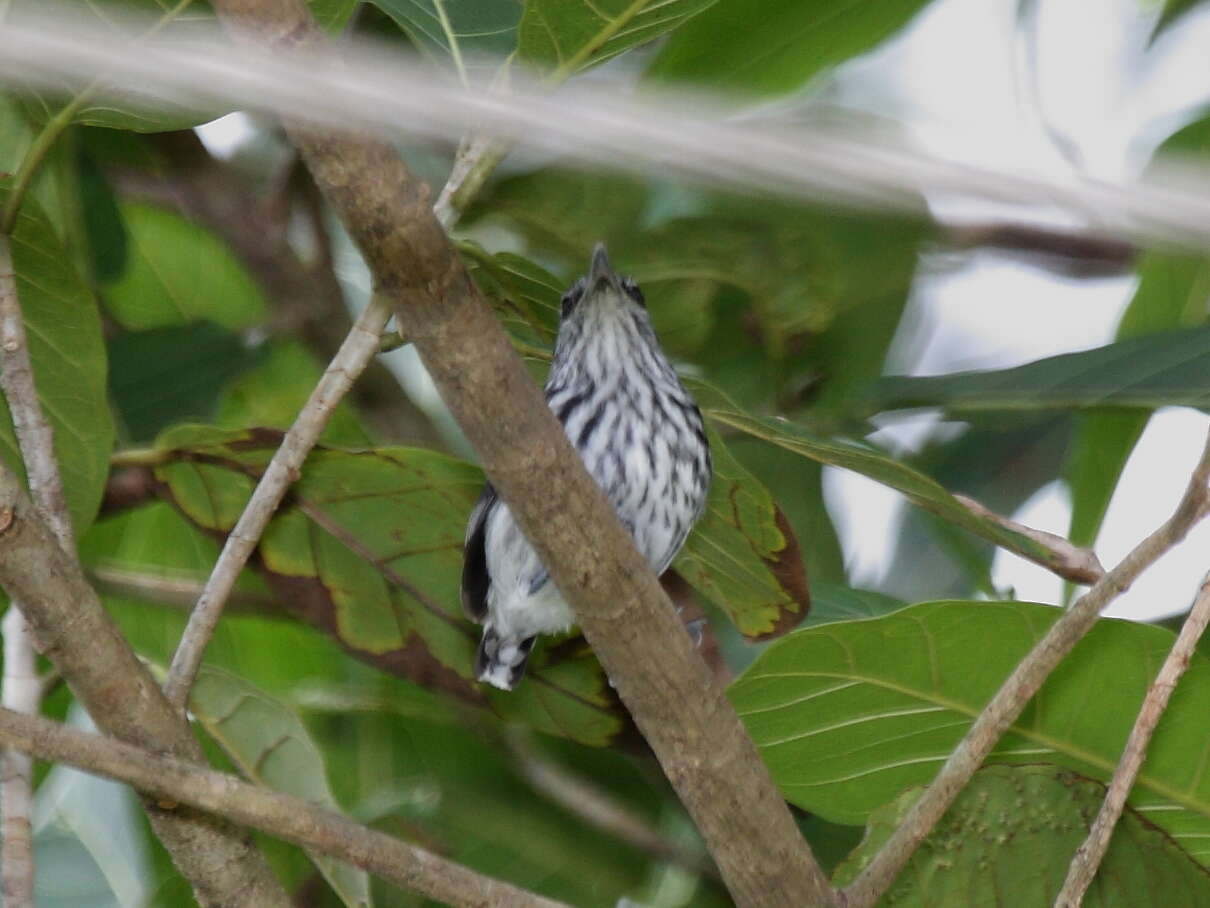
(633, 291)
(571, 298)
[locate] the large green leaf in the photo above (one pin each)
(178, 272)
(1161, 369)
(368, 548)
(1014, 830)
(743, 554)
(68, 354)
(455, 30)
(916, 487)
(774, 46)
(565, 36)
(848, 715)
(271, 746)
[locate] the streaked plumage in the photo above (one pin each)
(641, 437)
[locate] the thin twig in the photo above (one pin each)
(1089, 855)
(171, 780)
(357, 350)
(1020, 687)
(596, 807)
(1063, 557)
(473, 165)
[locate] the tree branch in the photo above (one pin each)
(1020, 687)
(77, 635)
(21, 691)
(356, 351)
(1089, 855)
(1063, 557)
(168, 779)
(618, 601)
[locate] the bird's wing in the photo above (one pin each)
(475, 578)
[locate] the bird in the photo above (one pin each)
(640, 435)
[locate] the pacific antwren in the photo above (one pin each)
(641, 437)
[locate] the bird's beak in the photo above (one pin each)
(600, 271)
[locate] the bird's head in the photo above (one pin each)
(602, 293)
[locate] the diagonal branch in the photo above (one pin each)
(618, 601)
(355, 353)
(1089, 855)
(1020, 687)
(169, 779)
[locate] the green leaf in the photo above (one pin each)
(916, 487)
(743, 553)
(1000, 462)
(848, 715)
(273, 393)
(368, 549)
(835, 602)
(566, 36)
(1170, 13)
(162, 376)
(1160, 369)
(1014, 830)
(797, 487)
(1172, 291)
(765, 47)
(68, 355)
(179, 272)
(172, 20)
(454, 30)
(272, 747)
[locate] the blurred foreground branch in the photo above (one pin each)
(691, 136)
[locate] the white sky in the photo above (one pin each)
(962, 79)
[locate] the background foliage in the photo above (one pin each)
(180, 307)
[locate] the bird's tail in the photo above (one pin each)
(501, 660)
